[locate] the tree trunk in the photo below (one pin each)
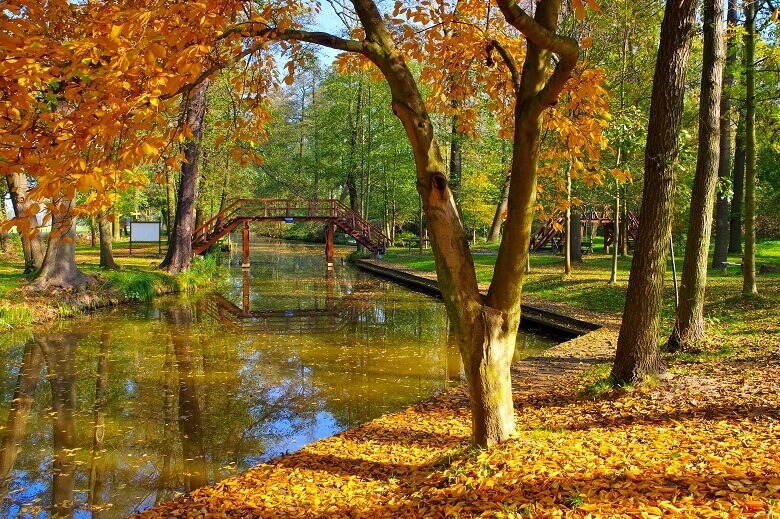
(486, 331)
(116, 224)
(179, 254)
(749, 259)
(170, 193)
(498, 218)
(738, 180)
(575, 243)
(353, 145)
(638, 351)
(724, 165)
(689, 322)
(617, 231)
(106, 243)
(27, 225)
(59, 265)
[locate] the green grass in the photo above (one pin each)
(15, 316)
(728, 312)
(138, 278)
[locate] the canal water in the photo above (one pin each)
(107, 414)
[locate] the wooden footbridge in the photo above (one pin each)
(551, 232)
(246, 210)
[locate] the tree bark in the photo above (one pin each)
(170, 193)
(749, 259)
(116, 224)
(27, 225)
(724, 165)
(638, 350)
(498, 218)
(738, 182)
(575, 243)
(689, 322)
(59, 265)
(179, 254)
(106, 243)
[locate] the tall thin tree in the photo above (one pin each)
(638, 349)
(689, 322)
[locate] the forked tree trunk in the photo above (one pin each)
(106, 242)
(689, 322)
(486, 332)
(59, 265)
(638, 349)
(32, 242)
(749, 259)
(179, 254)
(724, 166)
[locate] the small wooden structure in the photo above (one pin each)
(332, 212)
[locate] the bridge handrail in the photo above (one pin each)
(202, 232)
(364, 224)
(290, 208)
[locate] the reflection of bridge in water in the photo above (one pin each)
(337, 313)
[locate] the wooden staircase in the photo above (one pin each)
(280, 210)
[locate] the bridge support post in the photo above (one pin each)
(245, 256)
(329, 244)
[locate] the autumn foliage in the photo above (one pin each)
(92, 91)
(690, 447)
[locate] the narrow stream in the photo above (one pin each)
(107, 414)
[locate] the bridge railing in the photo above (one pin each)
(281, 209)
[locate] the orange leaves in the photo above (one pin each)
(642, 452)
(579, 7)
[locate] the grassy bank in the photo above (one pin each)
(734, 323)
(138, 280)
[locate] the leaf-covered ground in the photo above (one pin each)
(701, 443)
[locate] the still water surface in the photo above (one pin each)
(108, 414)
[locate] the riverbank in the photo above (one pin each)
(698, 443)
(737, 327)
(138, 279)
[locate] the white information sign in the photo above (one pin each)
(148, 232)
(145, 231)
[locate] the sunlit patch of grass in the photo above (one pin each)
(16, 315)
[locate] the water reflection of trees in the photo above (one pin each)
(138, 405)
